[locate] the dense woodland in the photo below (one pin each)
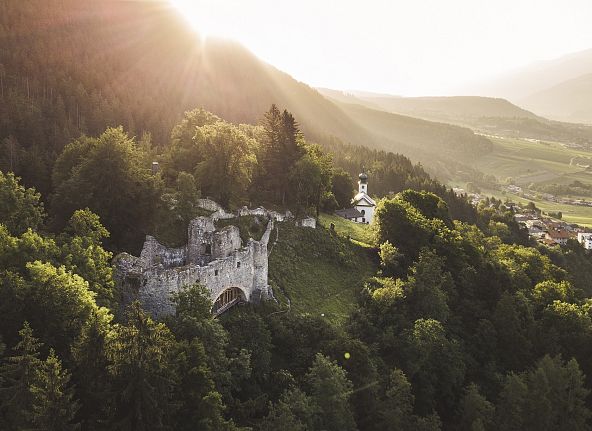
(464, 325)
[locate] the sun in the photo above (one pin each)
(206, 17)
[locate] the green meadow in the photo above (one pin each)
(526, 162)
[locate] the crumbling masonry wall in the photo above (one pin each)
(215, 259)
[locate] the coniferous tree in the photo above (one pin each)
(193, 320)
(342, 187)
(140, 354)
(550, 396)
(17, 374)
(330, 390)
(476, 412)
(54, 406)
(20, 207)
(396, 410)
(281, 150)
(91, 373)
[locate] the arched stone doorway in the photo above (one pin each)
(228, 298)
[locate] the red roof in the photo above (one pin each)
(558, 234)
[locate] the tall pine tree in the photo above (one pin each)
(17, 374)
(142, 368)
(54, 406)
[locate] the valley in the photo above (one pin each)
(193, 238)
(536, 169)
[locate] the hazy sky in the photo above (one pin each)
(411, 47)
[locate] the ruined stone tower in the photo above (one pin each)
(213, 258)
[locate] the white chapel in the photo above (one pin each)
(362, 202)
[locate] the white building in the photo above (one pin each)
(362, 202)
(585, 238)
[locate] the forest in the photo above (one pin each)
(465, 325)
(458, 320)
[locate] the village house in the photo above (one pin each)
(558, 236)
(585, 238)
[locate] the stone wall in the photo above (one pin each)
(209, 205)
(199, 236)
(215, 259)
(310, 222)
(225, 242)
(154, 253)
(262, 212)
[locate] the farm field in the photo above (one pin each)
(571, 213)
(523, 162)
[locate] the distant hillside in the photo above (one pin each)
(454, 108)
(77, 66)
(559, 89)
(485, 114)
(425, 135)
(521, 83)
(140, 64)
(568, 101)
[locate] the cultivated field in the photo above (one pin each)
(524, 162)
(527, 162)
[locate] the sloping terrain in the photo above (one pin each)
(78, 66)
(484, 114)
(559, 89)
(317, 271)
(518, 84)
(567, 101)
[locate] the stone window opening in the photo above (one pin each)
(238, 264)
(215, 272)
(208, 249)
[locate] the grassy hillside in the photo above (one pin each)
(526, 162)
(361, 233)
(318, 271)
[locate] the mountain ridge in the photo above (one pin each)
(566, 101)
(141, 65)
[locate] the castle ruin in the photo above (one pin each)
(214, 258)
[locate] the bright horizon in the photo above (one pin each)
(424, 47)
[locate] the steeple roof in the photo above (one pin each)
(360, 197)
